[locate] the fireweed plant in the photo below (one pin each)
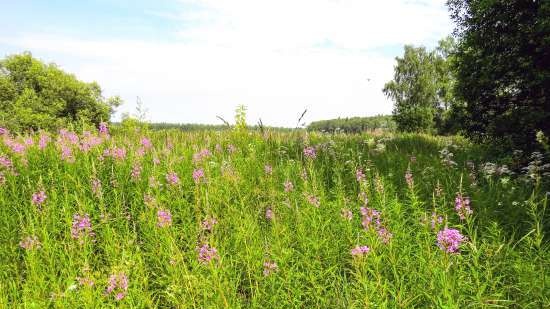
(237, 219)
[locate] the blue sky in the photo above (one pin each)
(190, 60)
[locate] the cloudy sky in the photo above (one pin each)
(190, 60)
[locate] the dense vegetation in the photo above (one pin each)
(238, 219)
(353, 124)
(34, 95)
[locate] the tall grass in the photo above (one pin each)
(274, 248)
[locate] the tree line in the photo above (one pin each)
(353, 124)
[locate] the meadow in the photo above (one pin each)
(241, 219)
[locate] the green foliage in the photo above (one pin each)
(504, 262)
(354, 124)
(503, 69)
(240, 118)
(34, 95)
(422, 89)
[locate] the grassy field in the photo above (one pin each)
(234, 219)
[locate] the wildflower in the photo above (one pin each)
(369, 215)
(449, 240)
(29, 243)
(66, 153)
(201, 155)
(136, 171)
(198, 175)
(146, 143)
(103, 129)
(313, 200)
(231, 148)
(289, 186)
(270, 267)
(5, 162)
(118, 153)
(2, 178)
(359, 175)
(4, 131)
(172, 178)
(164, 218)
(85, 281)
(96, 187)
(156, 161)
(117, 283)
(310, 152)
(409, 178)
(269, 214)
(154, 183)
(81, 227)
(39, 198)
(359, 251)
(207, 254)
(436, 220)
(268, 169)
(208, 224)
(384, 235)
(462, 206)
(346, 214)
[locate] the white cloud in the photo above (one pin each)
(259, 53)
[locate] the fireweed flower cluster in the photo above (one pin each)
(118, 285)
(198, 175)
(313, 200)
(82, 227)
(208, 224)
(288, 186)
(43, 141)
(346, 214)
(449, 240)
(103, 128)
(29, 243)
(269, 214)
(201, 155)
(164, 218)
(270, 268)
(359, 251)
(462, 206)
(172, 179)
(409, 178)
(310, 152)
(136, 171)
(371, 219)
(146, 143)
(207, 254)
(359, 175)
(39, 198)
(268, 169)
(96, 186)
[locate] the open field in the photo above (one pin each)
(236, 219)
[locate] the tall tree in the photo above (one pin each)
(422, 88)
(34, 95)
(503, 68)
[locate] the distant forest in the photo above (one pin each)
(354, 124)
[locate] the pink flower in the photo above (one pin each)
(146, 143)
(29, 243)
(4, 131)
(313, 200)
(449, 240)
(462, 206)
(310, 152)
(268, 169)
(136, 171)
(270, 267)
(172, 178)
(164, 218)
(43, 141)
(359, 175)
(207, 254)
(5, 162)
(269, 214)
(39, 197)
(201, 155)
(117, 283)
(409, 178)
(359, 251)
(369, 215)
(96, 187)
(346, 214)
(103, 129)
(198, 175)
(208, 224)
(289, 186)
(384, 235)
(82, 227)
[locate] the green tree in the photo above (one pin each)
(34, 95)
(503, 69)
(422, 88)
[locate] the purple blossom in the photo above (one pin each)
(310, 152)
(269, 214)
(146, 143)
(313, 200)
(270, 267)
(172, 178)
(5, 162)
(462, 206)
(346, 214)
(39, 198)
(208, 224)
(289, 186)
(198, 175)
(449, 240)
(43, 141)
(409, 178)
(384, 235)
(164, 218)
(29, 243)
(201, 155)
(370, 215)
(96, 186)
(207, 254)
(136, 171)
(118, 284)
(81, 227)
(359, 251)
(103, 129)
(4, 131)
(359, 175)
